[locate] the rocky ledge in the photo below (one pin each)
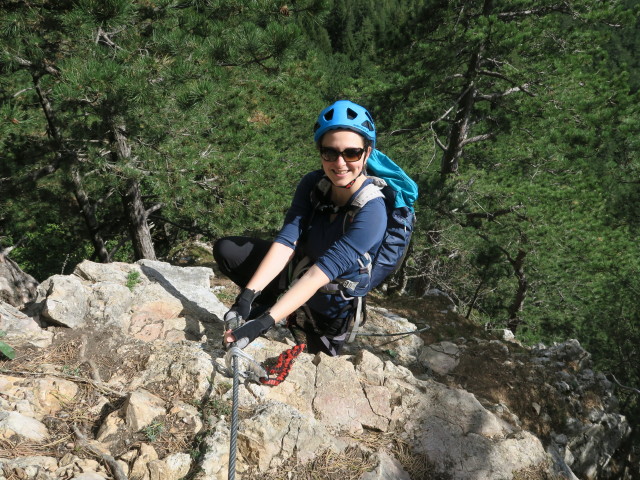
(119, 373)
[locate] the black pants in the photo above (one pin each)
(239, 257)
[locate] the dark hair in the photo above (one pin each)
(366, 141)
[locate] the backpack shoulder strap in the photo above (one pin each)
(369, 192)
(366, 194)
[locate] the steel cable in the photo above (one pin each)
(233, 443)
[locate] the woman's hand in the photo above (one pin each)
(247, 333)
(228, 338)
(240, 310)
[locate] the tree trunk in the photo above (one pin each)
(88, 212)
(466, 101)
(138, 225)
(521, 292)
(132, 199)
(62, 153)
(459, 131)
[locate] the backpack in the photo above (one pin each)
(399, 192)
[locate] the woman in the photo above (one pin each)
(345, 136)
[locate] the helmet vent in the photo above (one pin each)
(345, 115)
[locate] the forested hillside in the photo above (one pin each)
(128, 127)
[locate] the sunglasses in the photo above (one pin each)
(329, 154)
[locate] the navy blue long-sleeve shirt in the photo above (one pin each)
(334, 249)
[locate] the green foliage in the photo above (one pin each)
(68, 370)
(51, 249)
(6, 350)
(133, 278)
(153, 431)
(217, 407)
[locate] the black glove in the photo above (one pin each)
(240, 310)
(251, 330)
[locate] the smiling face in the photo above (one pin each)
(340, 172)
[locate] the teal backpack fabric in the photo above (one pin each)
(400, 194)
(406, 189)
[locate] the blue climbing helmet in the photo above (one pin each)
(348, 115)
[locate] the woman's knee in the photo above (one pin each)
(222, 253)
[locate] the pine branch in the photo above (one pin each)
(560, 7)
(495, 96)
(491, 216)
(635, 390)
(477, 138)
(152, 209)
(104, 37)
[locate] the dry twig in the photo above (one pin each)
(116, 469)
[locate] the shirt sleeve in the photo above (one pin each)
(363, 235)
(299, 210)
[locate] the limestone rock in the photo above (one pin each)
(276, 431)
(36, 467)
(140, 469)
(177, 466)
(185, 367)
(340, 400)
(64, 301)
(17, 288)
(442, 357)
(114, 272)
(21, 329)
(110, 305)
(112, 425)
(89, 476)
(192, 285)
(141, 408)
(16, 424)
(388, 468)
(36, 397)
(405, 348)
(214, 464)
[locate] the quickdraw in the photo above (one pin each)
(282, 367)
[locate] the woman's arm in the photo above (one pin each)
(283, 248)
(298, 295)
(295, 297)
(272, 264)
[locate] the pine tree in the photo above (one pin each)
(119, 85)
